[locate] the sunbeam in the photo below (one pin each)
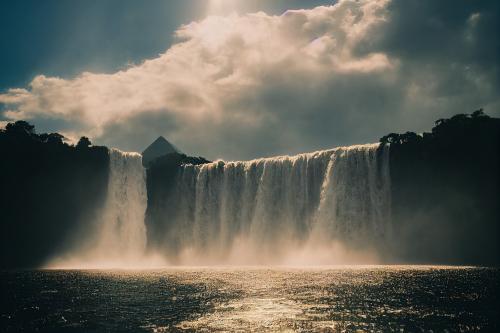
(221, 7)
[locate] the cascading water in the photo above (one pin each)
(122, 231)
(259, 211)
(270, 206)
(355, 198)
(118, 237)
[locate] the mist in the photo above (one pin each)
(412, 198)
(269, 211)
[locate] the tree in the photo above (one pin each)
(20, 127)
(55, 138)
(479, 114)
(84, 142)
(392, 138)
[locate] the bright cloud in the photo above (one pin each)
(240, 86)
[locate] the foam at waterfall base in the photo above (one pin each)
(245, 253)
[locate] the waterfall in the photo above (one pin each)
(272, 204)
(257, 211)
(122, 232)
(118, 237)
(355, 198)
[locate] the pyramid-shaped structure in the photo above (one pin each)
(160, 147)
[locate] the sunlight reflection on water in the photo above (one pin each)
(376, 298)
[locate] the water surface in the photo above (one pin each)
(337, 299)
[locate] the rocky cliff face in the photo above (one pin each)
(161, 176)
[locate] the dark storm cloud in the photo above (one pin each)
(303, 113)
(427, 30)
(246, 86)
(448, 51)
(444, 33)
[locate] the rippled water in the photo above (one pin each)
(252, 299)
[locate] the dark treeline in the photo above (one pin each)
(446, 191)
(162, 206)
(47, 190)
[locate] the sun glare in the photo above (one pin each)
(221, 7)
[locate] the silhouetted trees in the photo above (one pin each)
(20, 128)
(48, 191)
(83, 143)
(446, 191)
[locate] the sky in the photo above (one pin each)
(241, 79)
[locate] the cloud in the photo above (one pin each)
(242, 86)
